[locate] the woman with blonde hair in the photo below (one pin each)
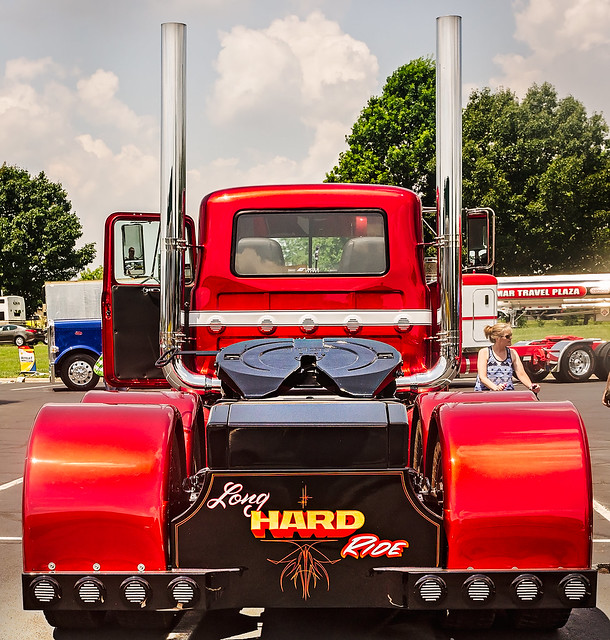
(498, 363)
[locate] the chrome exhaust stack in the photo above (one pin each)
(449, 206)
(173, 203)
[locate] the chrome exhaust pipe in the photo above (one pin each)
(173, 203)
(449, 206)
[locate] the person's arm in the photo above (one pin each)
(482, 371)
(606, 394)
(521, 374)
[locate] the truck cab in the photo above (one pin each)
(293, 262)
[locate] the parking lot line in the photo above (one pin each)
(604, 512)
(31, 385)
(12, 483)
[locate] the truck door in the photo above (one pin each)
(483, 313)
(130, 300)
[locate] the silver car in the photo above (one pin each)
(18, 335)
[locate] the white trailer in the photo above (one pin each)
(12, 309)
(555, 296)
(73, 300)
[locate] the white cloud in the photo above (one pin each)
(550, 27)
(98, 97)
(310, 63)
(25, 69)
(285, 97)
(569, 42)
(254, 69)
(96, 147)
(294, 74)
(65, 126)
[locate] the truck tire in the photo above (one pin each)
(535, 375)
(539, 618)
(149, 620)
(418, 448)
(457, 619)
(77, 372)
(436, 476)
(75, 620)
(602, 361)
(577, 364)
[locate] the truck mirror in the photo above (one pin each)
(480, 229)
(133, 249)
(189, 258)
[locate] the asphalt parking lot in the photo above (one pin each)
(19, 403)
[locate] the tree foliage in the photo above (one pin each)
(38, 233)
(92, 274)
(540, 163)
(392, 142)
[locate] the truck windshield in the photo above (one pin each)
(292, 243)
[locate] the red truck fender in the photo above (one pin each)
(194, 415)
(516, 485)
(423, 438)
(99, 484)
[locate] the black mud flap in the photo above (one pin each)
(308, 538)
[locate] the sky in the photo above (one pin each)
(273, 86)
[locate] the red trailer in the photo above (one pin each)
(279, 433)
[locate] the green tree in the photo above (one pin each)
(542, 165)
(38, 232)
(92, 274)
(392, 142)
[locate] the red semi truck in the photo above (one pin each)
(280, 432)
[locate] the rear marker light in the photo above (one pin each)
(527, 589)
(266, 325)
(430, 589)
(136, 592)
(184, 592)
(45, 590)
(478, 589)
(352, 324)
(308, 324)
(403, 324)
(574, 589)
(216, 325)
(90, 591)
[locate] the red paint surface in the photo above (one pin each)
(96, 488)
(517, 486)
(428, 402)
(186, 404)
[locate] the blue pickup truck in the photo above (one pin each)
(74, 347)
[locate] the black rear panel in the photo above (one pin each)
(308, 537)
(302, 434)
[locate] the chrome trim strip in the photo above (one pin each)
(319, 317)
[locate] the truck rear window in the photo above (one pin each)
(300, 242)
